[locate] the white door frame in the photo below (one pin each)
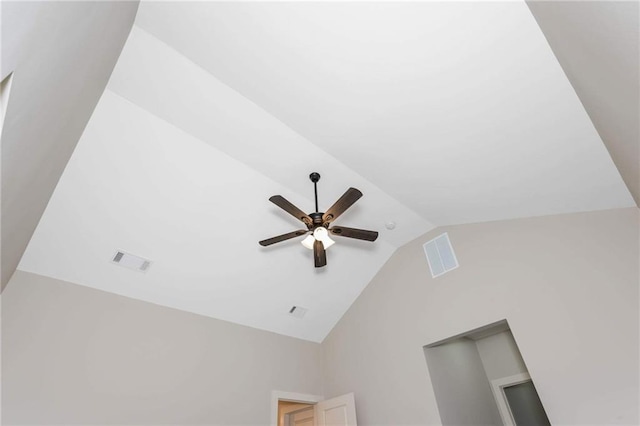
(293, 397)
(497, 386)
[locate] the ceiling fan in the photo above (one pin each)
(318, 223)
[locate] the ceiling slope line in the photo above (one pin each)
(53, 100)
(203, 277)
(115, 86)
(373, 96)
(299, 199)
(557, 26)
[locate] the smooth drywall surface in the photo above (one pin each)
(61, 55)
(500, 356)
(463, 392)
(597, 43)
(0, 359)
(78, 356)
(568, 286)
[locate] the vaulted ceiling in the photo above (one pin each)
(439, 113)
(60, 56)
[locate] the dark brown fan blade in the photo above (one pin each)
(360, 234)
(285, 205)
(348, 198)
(283, 237)
(319, 254)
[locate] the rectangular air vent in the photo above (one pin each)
(131, 261)
(440, 255)
(297, 311)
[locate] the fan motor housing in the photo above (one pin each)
(316, 218)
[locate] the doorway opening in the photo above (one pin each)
(479, 377)
(309, 410)
(285, 405)
(295, 414)
(5, 90)
(518, 401)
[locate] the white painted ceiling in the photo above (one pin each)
(597, 43)
(440, 113)
(60, 55)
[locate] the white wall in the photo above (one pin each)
(0, 359)
(597, 45)
(75, 355)
(61, 55)
(568, 285)
(500, 356)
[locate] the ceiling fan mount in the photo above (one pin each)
(318, 223)
(315, 177)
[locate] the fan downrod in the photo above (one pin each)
(315, 177)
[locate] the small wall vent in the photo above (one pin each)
(440, 255)
(131, 261)
(298, 311)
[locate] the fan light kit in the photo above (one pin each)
(318, 223)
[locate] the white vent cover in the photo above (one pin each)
(298, 311)
(131, 261)
(440, 255)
